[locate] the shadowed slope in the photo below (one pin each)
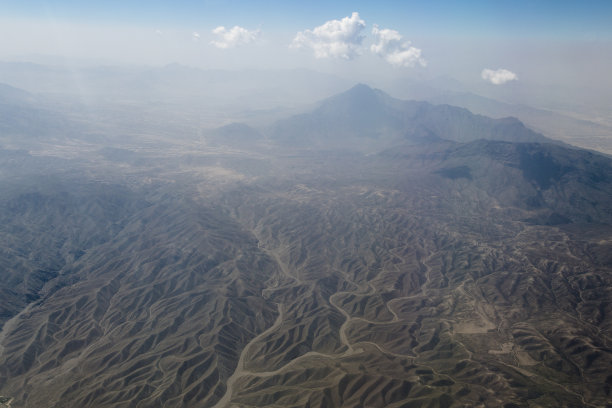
(366, 119)
(158, 314)
(435, 274)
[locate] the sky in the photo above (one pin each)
(518, 17)
(497, 44)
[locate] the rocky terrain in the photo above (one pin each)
(435, 259)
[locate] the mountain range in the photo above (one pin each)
(363, 114)
(368, 251)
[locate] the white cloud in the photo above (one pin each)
(195, 36)
(233, 37)
(335, 38)
(499, 76)
(397, 52)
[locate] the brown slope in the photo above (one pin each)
(341, 282)
(158, 315)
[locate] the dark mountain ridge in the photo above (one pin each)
(363, 118)
(24, 117)
(454, 268)
(543, 178)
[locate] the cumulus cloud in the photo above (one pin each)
(195, 36)
(397, 52)
(335, 38)
(499, 76)
(233, 37)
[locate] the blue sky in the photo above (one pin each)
(496, 43)
(541, 18)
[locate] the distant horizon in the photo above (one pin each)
(578, 101)
(546, 41)
(548, 54)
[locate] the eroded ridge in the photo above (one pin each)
(161, 322)
(336, 286)
(431, 311)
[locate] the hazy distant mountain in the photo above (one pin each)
(578, 132)
(532, 176)
(234, 134)
(15, 96)
(467, 263)
(23, 118)
(367, 118)
(175, 83)
(553, 124)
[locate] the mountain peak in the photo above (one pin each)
(363, 92)
(371, 119)
(358, 100)
(361, 89)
